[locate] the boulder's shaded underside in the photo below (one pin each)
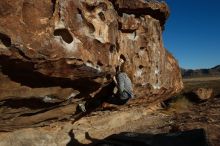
(53, 50)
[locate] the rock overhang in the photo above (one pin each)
(78, 43)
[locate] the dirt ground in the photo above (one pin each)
(186, 115)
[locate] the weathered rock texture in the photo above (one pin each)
(52, 50)
(203, 93)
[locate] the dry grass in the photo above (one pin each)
(201, 79)
(178, 104)
(181, 103)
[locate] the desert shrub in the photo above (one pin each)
(178, 103)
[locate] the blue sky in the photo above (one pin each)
(192, 32)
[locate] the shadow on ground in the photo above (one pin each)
(196, 137)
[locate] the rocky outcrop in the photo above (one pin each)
(51, 51)
(63, 133)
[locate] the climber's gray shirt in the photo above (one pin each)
(124, 85)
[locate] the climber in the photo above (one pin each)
(123, 84)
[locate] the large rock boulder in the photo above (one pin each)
(53, 50)
(203, 93)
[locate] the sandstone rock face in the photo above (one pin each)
(53, 50)
(204, 93)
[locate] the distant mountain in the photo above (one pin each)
(212, 72)
(216, 67)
